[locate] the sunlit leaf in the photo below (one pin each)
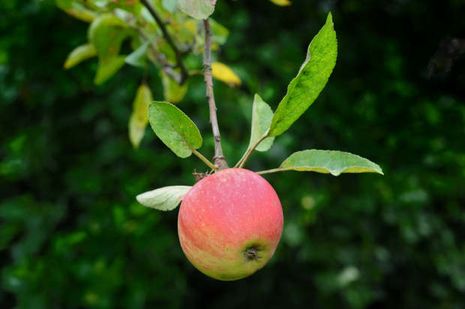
(132, 6)
(328, 162)
(261, 121)
(281, 2)
(107, 68)
(310, 81)
(174, 128)
(165, 199)
(138, 58)
(80, 54)
(76, 9)
(107, 33)
(172, 91)
(220, 32)
(198, 9)
(140, 115)
(186, 31)
(222, 72)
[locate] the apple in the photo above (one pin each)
(230, 223)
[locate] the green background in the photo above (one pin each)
(73, 236)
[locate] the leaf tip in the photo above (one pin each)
(140, 198)
(329, 19)
(67, 64)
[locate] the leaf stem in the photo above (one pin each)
(249, 152)
(274, 170)
(204, 160)
(169, 40)
(219, 159)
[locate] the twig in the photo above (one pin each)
(249, 151)
(274, 170)
(204, 160)
(169, 40)
(155, 57)
(207, 71)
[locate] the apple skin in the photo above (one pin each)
(230, 223)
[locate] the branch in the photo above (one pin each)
(169, 40)
(207, 71)
(155, 57)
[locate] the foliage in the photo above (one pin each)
(181, 135)
(141, 24)
(167, 198)
(261, 122)
(174, 128)
(310, 81)
(72, 236)
(327, 162)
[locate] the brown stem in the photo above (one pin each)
(218, 159)
(169, 40)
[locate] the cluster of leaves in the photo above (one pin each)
(160, 33)
(182, 136)
(114, 22)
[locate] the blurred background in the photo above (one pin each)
(73, 236)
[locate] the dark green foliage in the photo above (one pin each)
(73, 236)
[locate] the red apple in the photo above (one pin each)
(230, 223)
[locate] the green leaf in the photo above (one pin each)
(174, 128)
(261, 120)
(107, 68)
(172, 91)
(198, 9)
(76, 9)
(138, 58)
(107, 33)
(310, 81)
(140, 115)
(170, 5)
(165, 199)
(131, 6)
(327, 162)
(220, 32)
(80, 54)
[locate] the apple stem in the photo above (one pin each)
(251, 254)
(218, 159)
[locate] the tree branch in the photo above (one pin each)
(169, 40)
(218, 159)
